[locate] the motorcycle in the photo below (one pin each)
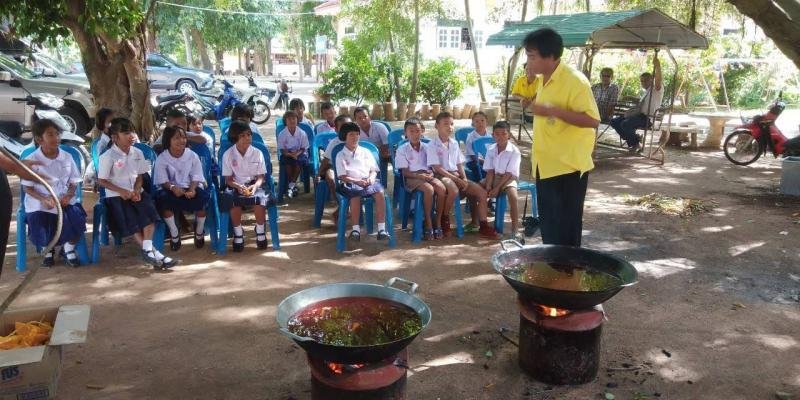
(282, 92)
(756, 135)
(167, 102)
(217, 107)
(45, 107)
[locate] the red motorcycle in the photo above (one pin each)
(754, 137)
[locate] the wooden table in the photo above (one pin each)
(716, 123)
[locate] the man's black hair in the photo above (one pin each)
(546, 41)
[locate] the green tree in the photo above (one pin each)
(111, 37)
(302, 31)
(779, 20)
(441, 81)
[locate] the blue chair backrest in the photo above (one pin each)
(224, 124)
(210, 131)
(320, 143)
(224, 146)
(384, 123)
(479, 145)
(395, 137)
(205, 159)
(463, 133)
(77, 157)
(96, 152)
(363, 143)
(149, 155)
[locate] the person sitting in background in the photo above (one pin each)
(326, 166)
(639, 116)
(299, 108)
(102, 121)
(196, 129)
(606, 94)
(502, 172)
(328, 115)
(373, 132)
(40, 207)
(293, 149)
(475, 161)
(525, 88)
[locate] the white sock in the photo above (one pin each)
(237, 230)
(357, 228)
(68, 247)
(381, 226)
(173, 229)
(292, 185)
(147, 245)
(201, 224)
(260, 234)
(160, 256)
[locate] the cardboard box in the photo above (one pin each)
(32, 373)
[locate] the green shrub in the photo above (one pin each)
(440, 81)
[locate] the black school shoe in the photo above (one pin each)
(199, 238)
(156, 263)
(238, 247)
(261, 244)
(71, 258)
(169, 262)
(49, 259)
(175, 243)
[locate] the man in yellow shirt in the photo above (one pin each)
(524, 89)
(563, 138)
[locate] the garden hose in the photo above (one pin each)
(7, 302)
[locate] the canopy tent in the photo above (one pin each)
(593, 31)
(617, 29)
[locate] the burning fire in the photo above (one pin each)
(340, 368)
(552, 311)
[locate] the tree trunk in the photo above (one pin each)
(150, 33)
(239, 58)
(515, 57)
(268, 52)
(220, 61)
(474, 50)
(395, 78)
(778, 19)
(415, 70)
(588, 5)
(202, 49)
(115, 69)
(259, 61)
(187, 43)
(693, 16)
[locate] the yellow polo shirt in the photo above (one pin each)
(522, 88)
(558, 147)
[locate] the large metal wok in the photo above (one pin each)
(352, 354)
(515, 254)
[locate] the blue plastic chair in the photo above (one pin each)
(212, 208)
(81, 247)
(100, 215)
(224, 124)
(321, 194)
(405, 198)
(479, 146)
(306, 174)
(384, 123)
(272, 209)
(396, 137)
(471, 169)
(366, 202)
(462, 134)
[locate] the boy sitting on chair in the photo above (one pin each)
(502, 171)
(293, 148)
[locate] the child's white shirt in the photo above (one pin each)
(122, 169)
(61, 170)
(377, 135)
(243, 168)
(329, 149)
(181, 171)
(291, 142)
(507, 160)
(447, 156)
(355, 164)
(413, 160)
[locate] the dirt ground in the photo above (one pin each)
(715, 314)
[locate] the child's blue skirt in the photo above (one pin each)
(128, 217)
(351, 190)
(42, 225)
(232, 198)
(165, 200)
(301, 160)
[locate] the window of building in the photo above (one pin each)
(478, 36)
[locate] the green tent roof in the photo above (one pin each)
(619, 29)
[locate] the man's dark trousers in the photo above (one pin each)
(560, 201)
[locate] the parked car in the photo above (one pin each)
(48, 66)
(165, 73)
(78, 109)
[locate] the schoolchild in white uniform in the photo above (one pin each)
(502, 171)
(299, 108)
(196, 129)
(412, 160)
(293, 150)
(373, 132)
(326, 165)
(132, 212)
(358, 173)
(474, 161)
(40, 208)
(243, 171)
(328, 123)
(447, 162)
(182, 186)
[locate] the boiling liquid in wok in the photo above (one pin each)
(355, 321)
(573, 278)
